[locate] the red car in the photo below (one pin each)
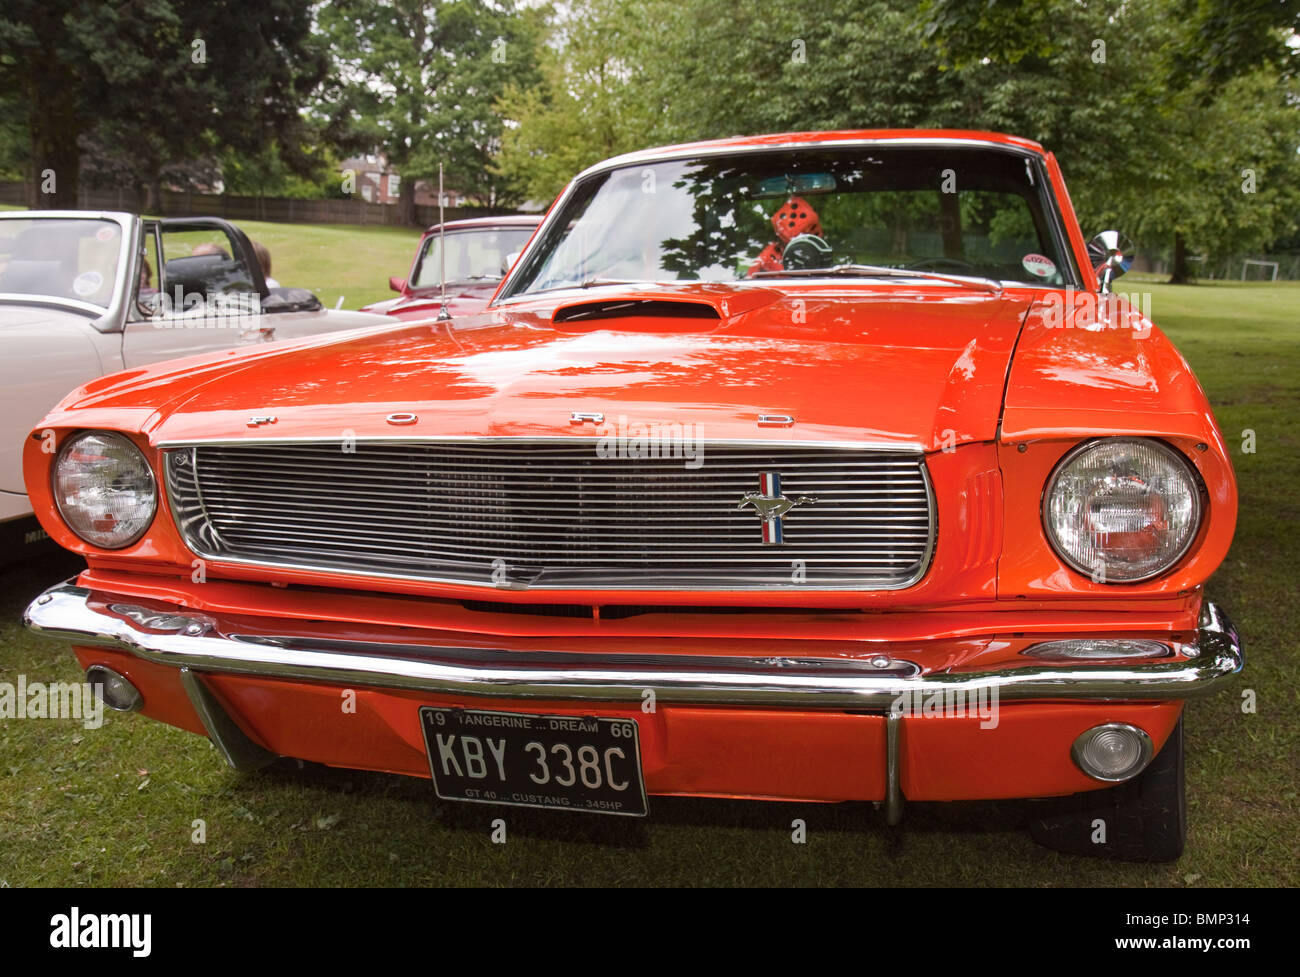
(479, 253)
(819, 466)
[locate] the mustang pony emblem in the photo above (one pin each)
(771, 505)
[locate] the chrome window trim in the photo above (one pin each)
(218, 559)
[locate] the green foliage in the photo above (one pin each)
(155, 83)
(1225, 39)
(1225, 176)
(583, 108)
(13, 142)
(1091, 81)
(266, 174)
(970, 31)
(1156, 108)
(417, 80)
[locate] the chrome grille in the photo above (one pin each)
(552, 514)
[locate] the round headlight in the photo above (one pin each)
(104, 489)
(1122, 509)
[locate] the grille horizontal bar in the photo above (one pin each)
(515, 513)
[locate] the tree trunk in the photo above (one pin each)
(406, 202)
(55, 162)
(1179, 274)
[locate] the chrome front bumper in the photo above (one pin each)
(182, 638)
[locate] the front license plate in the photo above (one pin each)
(567, 762)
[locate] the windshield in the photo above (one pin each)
(473, 256)
(60, 258)
(954, 211)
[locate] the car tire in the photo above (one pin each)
(1145, 819)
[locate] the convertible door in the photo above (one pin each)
(44, 353)
(203, 286)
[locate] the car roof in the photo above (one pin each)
(791, 140)
(505, 220)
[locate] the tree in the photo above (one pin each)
(417, 79)
(160, 81)
(1226, 39)
(1202, 163)
(627, 74)
(1225, 179)
(583, 108)
(265, 174)
(13, 141)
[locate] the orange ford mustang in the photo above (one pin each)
(818, 466)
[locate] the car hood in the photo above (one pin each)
(915, 367)
(462, 300)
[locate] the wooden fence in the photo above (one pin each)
(278, 209)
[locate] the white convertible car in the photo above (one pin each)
(83, 294)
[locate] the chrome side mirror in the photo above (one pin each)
(509, 262)
(1111, 254)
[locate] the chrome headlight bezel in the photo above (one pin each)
(70, 518)
(1196, 492)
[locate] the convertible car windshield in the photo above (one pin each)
(60, 258)
(952, 211)
(478, 255)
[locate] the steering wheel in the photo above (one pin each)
(959, 265)
(806, 251)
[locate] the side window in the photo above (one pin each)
(147, 296)
(203, 274)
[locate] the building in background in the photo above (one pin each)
(378, 182)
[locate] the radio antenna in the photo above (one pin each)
(442, 250)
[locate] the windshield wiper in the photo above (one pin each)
(593, 282)
(970, 281)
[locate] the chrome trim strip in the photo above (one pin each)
(231, 742)
(64, 612)
(901, 448)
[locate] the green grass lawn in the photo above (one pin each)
(337, 260)
(115, 806)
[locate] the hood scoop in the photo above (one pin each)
(667, 315)
(695, 307)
